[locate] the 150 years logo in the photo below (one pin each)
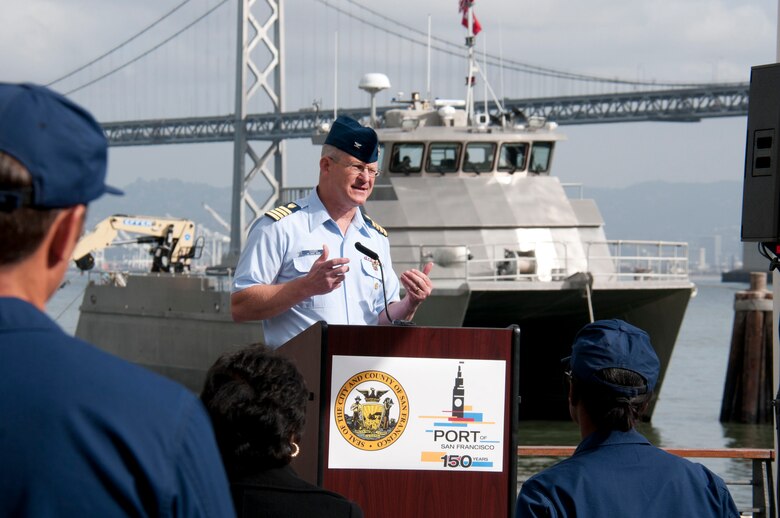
(372, 410)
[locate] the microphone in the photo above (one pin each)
(373, 255)
(367, 251)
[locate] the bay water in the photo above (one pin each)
(687, 411)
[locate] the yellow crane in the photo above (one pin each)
(173, 241)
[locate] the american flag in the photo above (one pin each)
(465, 5)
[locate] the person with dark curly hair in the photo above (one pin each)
(257, 403)
(615, 471)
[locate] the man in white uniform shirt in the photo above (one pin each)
(300, 264)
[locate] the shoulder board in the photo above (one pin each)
(379, 228)
(282, 211)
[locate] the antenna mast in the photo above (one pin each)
(428, 76)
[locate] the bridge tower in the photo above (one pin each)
(250, 79)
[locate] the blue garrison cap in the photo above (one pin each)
(349, 136)
(58, 142)
(606, 344)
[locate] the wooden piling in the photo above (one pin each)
(747, 391)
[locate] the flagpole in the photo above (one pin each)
(484, 72)
(501, 59)
(470, 77)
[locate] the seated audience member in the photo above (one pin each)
(257, 402)
(615, 471)
(82, 433)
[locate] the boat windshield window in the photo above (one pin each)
(540, 157)
(407, 158)
(512, 157)
(479, 157)
(443, 157)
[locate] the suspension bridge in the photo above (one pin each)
(226, 71)
(201, 34)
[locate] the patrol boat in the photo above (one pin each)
(474, 194)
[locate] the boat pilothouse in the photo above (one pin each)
(435, 139)
(487, 190)
(429, 148)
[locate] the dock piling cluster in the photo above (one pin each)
(747, 392)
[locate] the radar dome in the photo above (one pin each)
(374, 82)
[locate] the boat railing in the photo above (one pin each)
(640, 260)
(760, 482)
(544, 261)
(538, 261)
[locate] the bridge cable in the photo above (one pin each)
(146, 29)
(147, 52)
(518, 65)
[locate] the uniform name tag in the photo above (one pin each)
(304, 253)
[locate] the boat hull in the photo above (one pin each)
(178, 325)
(549, 320)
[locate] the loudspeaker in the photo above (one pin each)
(761, 187)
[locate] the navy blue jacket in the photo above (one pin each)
(621, 474)
(83, 433)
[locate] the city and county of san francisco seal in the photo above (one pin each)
(372, 410)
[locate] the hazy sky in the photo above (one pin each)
(666, 40)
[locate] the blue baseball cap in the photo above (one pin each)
(606, 344)
(58, 142)
(350, 137)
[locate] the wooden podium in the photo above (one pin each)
(438, 482)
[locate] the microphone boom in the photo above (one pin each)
(373, 255)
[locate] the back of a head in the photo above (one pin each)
(53, 155)
(25, 227)
(614, 370)
(257, 404)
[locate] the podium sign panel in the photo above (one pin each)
(411, 421)
(416, 413)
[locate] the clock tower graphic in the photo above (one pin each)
(458, 395)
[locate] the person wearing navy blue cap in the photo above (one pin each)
(287, 275)
(82, 433)
(615, 471)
